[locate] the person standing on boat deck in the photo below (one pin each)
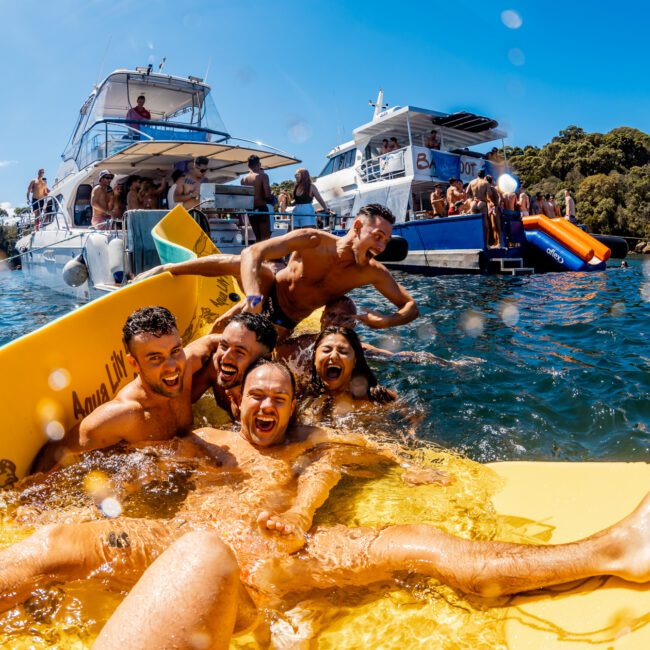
(523, 202)
(100, 201)
(385, 147)
(454, 195)
(477, 193)
(494, 211)
(438, 203)
(137, 114)
(263, 198)
(117, 202)
(38, 189)
(433, 141)
(177, 175)
(322, 267)
(283, 201)
(393, 145)
(304, 192)
(133, 198)
(569, 207)
(187, 189)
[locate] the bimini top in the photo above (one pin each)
(457, 129)
(184, 124)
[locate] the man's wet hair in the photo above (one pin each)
(260, 363)
(176, 174)
(157, 321)
(345, 301)
(253, 160)
(481, 173)
(261, 326)
(489, 179)
(377, 210)
(201, 160)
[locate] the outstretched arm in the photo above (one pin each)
(198, 352)
(271, 249)
(318, 197)
(109, 424)
(407, 308)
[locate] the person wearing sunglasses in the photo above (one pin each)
(187, 188)
(100, 201)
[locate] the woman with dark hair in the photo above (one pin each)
(341, 376)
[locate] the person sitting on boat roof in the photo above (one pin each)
(100, 201)
(263, 199)
(157, 404)
(136, 114)
(304, 193)
(322, 267)
(393, 145)
(433, 140)
(188, 190)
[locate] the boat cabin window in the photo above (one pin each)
(339, 162)
(82, 211)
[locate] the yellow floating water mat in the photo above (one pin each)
(52, 377)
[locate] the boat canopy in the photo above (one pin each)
(228, 158)
(411, 126)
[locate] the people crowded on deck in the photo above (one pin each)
(385, 147)
(100, 201)
(263, 199)
(304, 194)
(188, 187)
(393, 145)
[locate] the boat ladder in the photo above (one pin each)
(510, 266)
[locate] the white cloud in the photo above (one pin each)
(6, 163)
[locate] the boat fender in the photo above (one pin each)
(75, 272)
(116, 259)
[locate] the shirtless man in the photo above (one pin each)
(569, 207)
(275, 478)
(454, 195)
(187, 188)
(509, 201)
(523, 202)
(322, 267)
(246, 338)
(258, 179)
(38, 190)
(100, 201)
(438, 203)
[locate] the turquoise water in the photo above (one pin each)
(559, 368)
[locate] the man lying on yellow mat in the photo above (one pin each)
(249, 529)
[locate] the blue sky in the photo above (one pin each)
(298, 75)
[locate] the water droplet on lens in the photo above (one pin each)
(471, 322)
(426, 332)
(200, 640)
(645, 291)
(511, 19)
(516, 56)
(509, 313)
(618, 309)
(111, 507)
(359, 387)
(54, 430)
(299, 131)
(388, 342)
(59, 379)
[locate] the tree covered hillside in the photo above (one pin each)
(608, 172)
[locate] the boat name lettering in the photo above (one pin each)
(115, 373)
(555, 255)
(422, 161)
(467, 168)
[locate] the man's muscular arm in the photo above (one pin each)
(271, 249)
(109, 424)
(384, 282)
(198, 352)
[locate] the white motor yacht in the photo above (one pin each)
(184, 124)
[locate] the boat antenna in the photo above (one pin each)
(161, 65)
(207, 70)
(379, 105)
(101, 65)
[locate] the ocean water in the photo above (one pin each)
(553, 366)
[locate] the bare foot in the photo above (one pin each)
(631, 537)
(288, 524)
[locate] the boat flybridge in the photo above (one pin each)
(184, 124)
(358, 173)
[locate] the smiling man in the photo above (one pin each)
(322, 267)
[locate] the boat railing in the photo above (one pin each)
(110, 136)
(383, 167)
(52, 213)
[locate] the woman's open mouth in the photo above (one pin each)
(264, 423)
(333, 372)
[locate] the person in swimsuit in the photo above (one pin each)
(258, 179)
(279, 476)
(438, 202)
(100, 201)
(322, 267)
(37, 188)
(304, 193)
